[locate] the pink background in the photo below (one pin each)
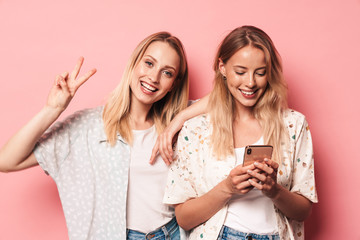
(318, 41)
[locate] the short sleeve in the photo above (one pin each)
(179, 187)
(55, 145)
(304, 177)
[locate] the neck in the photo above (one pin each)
(139, 116)
(244, 113)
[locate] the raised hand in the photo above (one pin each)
(65, 87)
(267, 177)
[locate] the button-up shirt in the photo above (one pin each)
(196, 171)
(91, 176)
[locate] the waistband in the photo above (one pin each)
(164, 230)
(227, 232)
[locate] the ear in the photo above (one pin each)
(222, 67)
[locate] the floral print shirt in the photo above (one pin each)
(196, 171)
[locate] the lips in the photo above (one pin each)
(147, 87)
(248, 94)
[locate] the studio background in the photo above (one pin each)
(318, 42)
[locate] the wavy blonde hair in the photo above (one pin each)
(116, 111)
(269, 108)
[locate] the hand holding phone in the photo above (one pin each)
(256, 153)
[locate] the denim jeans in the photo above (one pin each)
(227, 233)
(169, 231)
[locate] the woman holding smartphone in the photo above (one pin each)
(99, 158)
(214, 195)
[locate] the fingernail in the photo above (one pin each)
(266, 159)
(256, 163)
(249, 171)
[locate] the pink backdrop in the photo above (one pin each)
(318, 41)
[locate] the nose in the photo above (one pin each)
(154, 75)
(251, 81)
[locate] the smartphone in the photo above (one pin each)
(256, 153)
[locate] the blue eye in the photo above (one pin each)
(150, 64)
(168, 74)
(240, 73)
(261, 74)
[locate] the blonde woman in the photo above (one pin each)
(214, 195)
(99, 158)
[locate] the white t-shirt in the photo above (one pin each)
(252, 212)
(146, 185)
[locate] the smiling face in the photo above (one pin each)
(154, 75)
(246, 76)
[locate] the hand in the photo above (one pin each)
(65, 87)
(266, 176)
(238, 180)
(164, 142)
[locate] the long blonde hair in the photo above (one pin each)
(116, 111)
(269, 108)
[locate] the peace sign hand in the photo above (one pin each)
(66, 85)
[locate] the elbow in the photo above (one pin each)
(184, 219)
(184, 224)
(4, 169)
(304, 214)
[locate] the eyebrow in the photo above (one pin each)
(154, 59)
(239, 66)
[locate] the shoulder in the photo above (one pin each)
(195, 130)
(86, 116)
(293, 118)
(198, 123)
(200, 120)
(296, 124)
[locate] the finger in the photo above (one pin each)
(259, 176)
(243, 185)
(77, 68)
(246, 190)
(57, 80)
(239, 170)
(63, 85)
(154, 152)
(238, 179)
(255, 184)
(165, 157)
(163, 149)
(264, 167)
(84, 78)
(65, 75)
(169, 145)
(271, 163)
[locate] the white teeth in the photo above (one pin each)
(247, 93)
(148, 87)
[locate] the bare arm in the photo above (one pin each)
(291, 204)
(165, 140)
(17, 153)
(211, 202)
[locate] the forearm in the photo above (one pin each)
(21, 145)
(292, 205)
(195, 109)
(198, 210)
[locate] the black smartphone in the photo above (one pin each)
(256, 153)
